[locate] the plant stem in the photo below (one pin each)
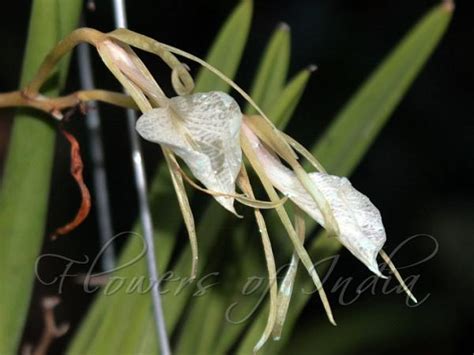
(144, 208)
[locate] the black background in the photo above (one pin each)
(419, 171)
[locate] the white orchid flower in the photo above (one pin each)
(209, 133)
(329, 200)
(204, 130)
(359, 222)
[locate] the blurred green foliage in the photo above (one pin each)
(26, 181)
(122, 322)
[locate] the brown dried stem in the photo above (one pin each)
(51, 330)
(54, 106)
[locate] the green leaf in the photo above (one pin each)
(177, 292)
(360, 121)
(119, 311)
(272, 70)
(227, 50)
(285, 104)
(241, 304)
(354, 337)
(352, 132)
(25, 187)
(212, 305)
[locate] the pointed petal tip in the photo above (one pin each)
(259, 345)
(374, 267)
(232, 210)
(410, 294)
(378, 273)
(330, 316)
(228, 204)
(238, 215)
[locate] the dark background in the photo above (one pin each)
(419, 171)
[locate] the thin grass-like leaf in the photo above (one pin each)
(194, 338)
(25, 184)
(352, 339)
(227, 49)
(213, 305)
(272, 70)
(357, 125)
(117, 310)
(284, 106)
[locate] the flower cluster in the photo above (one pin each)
(217, 142)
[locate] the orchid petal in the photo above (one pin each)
(203, 129)
(359, 221)
(247, 146)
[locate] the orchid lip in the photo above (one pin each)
(203, 129)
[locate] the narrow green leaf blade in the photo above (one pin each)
(119, 311)
(272, 70)
(177, 293)
(357, 125)
(227, 50)
(286, 103)
(353, 337)
(210, 306)
(25, 186)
